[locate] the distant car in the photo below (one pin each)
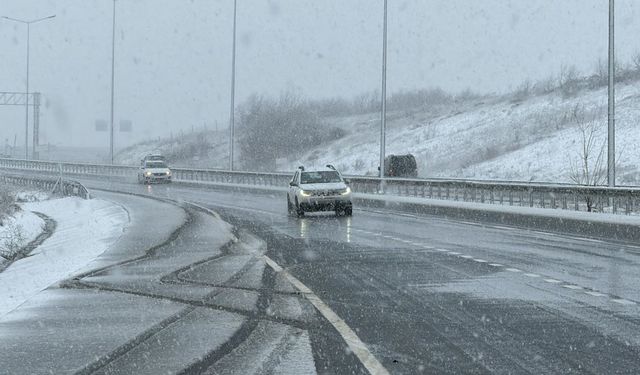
(154, 171)
(321, 189)
(400, 166)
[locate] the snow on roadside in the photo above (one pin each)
(18, 230)
(85, 229)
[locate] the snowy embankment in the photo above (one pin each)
(17, 231)
(536, 139)
(85, 229)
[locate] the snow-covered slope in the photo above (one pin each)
(537, 139)
(534, 139)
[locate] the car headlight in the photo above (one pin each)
(346, 191)
(305, 193)
(168, 173)
(147, 173)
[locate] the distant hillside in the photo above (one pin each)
(518, 137)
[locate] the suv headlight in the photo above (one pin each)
(147, 173)
(346, 191)
(168, 173)
(305, 193)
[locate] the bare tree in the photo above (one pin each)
(635, 61)
(589, 167)
(568, 80)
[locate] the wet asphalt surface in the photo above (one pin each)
(426, 295)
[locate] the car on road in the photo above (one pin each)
(321, 189)
(154, 171)
(400, 166)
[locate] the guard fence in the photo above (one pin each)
(619, 200)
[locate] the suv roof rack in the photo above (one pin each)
(330, 166)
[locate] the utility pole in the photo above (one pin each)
(383, 107)
(233, 88)
(113, 69)
(611, 137)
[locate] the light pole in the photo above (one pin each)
(233, 87)
(26, 99)
(113, 69)
(611, 137)
(383, 107)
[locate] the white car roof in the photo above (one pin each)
(324, 169)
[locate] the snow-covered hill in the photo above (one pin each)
(536, 139)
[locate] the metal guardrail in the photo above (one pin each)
(59, 186)
(620, 200)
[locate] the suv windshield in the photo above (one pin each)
(156, 164)
(321, 177)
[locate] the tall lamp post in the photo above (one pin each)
(383, 107)
(26, 99)
(611, 136)
(113, 68)
(233, 88)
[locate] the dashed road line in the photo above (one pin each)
(573, 287)
(623, 301)
(595, 294)
(620, 301)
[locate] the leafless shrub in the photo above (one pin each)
(523, 91)
(7, 204)
(275, 128)
(568, 81)
(11, 243)
(588, 168)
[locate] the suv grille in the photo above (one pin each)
(324, 193)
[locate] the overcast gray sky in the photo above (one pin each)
(173, 56)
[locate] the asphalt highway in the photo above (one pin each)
(424, 294)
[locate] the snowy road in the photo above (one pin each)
(424, 294)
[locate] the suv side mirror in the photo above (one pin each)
(292, 183)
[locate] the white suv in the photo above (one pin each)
(319, 190)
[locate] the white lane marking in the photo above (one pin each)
(552, 281)
(532, 275)
(385, 236)
(466, 256)
(355, 344)
(623, 301)
(453, 253)
(513, 270)
(496, 264)
(442, 250)
(574, 287)
(480, 260)
(595, 294)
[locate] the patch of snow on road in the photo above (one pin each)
(86, 228)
